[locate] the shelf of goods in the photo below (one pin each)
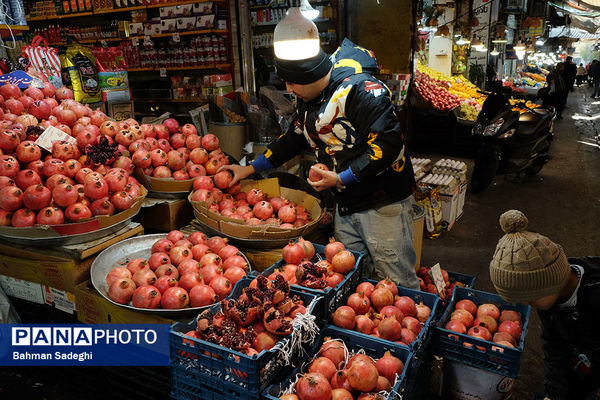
(6, 30)
(444, 93)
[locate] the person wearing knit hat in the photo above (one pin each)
(345, 115)
(529, 268)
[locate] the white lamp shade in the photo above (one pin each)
(307, 10)
(295, 37)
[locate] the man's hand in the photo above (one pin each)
(238, 171)
(328, 179)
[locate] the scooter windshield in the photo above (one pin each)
(492, 106)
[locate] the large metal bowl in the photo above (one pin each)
(118, 255)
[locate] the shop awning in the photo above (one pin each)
(572, 33)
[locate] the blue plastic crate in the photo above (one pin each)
(333, 296)
(430, 300)
(202, 370)
(467, 280)
(373, 348)
(479, 353)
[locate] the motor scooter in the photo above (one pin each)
(509, 142)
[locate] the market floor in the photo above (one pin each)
(564, 205)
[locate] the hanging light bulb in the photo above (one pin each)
(520, 46)
(494, 52)
(539, 42)
(307, 10)
(461, 41)
(481, 49)
(499, 40)
(295, 37)
(476, 43)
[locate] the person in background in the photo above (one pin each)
(581, 74)
(490, 75)
(557, 95)
(346, 116)
(569, 74)
(594, 76)
(529, 268)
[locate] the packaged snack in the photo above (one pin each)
(81, 66)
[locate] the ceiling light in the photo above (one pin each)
(476, 43)
(539, 42)
(307, 10)
(295, 37)
(499, 40)
(519, 46)
(494, 52)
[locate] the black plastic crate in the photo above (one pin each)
(372, 348)
(202, 370)
(475, 352)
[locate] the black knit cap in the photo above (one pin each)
(304, 71)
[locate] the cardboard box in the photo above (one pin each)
(167, 12)
(168, 25)
(163, 185)
(136, 29)
(121, 111)
(166, 214)
(151, 28)
(92, 308)
(62, 267)
(204, 8)
(449, 208)
(184, 10)
(186, 24)
(205, 22)
(235, 228)
(25, 290)
(461, 200)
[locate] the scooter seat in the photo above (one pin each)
(529, 122)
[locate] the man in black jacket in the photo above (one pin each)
(345, 115)
(529, 268)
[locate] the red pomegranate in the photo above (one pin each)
(50, 216)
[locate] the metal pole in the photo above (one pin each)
(246, 48)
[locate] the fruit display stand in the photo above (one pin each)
(61, 267)
(202, 370)
(355, 344)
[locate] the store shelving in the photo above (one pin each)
(200, 32)
(198, 67)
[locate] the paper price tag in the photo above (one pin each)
(135, 41)
(438, 280)
(176, 37)
(163, 72)
(51, 135)
(147, 40)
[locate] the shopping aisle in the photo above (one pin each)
(564, 205)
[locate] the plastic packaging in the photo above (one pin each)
(80, 64)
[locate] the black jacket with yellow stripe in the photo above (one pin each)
(352, 124)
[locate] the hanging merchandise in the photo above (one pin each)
(44, 60)
(80, 66)
(112, 74)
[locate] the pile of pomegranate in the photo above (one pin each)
(255, 321)
(330, 376)
(486, 322)
(379, 311)
(172, 151)
(253, 207)
(427, 285)
(182, 271)
(300, 270)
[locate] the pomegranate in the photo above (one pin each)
(96, 189)
(390, 328)
(365, 287)
(216, 243)
(157, 259)
(293, 253)
(504, 337)
(179, 254)
(510, 315)
(77, 211)
(210, 142)
(463, 316)
(512, 328)
(309, 249)
(364, 324)
(202, 295)
(6, 217)
(25, 178)
(8, 181)
(210, 272)
(228, 251)
(223, 179)
(11, 198)
(64, 93)
(8, 91)
(363, 375)
(188, 266)
(388, 366)
(121, 200)
(314, 176)
(9, 140)
(22, 218)
(344, 317)
(37, 197)
(359, 303)
(423, 312)
(234, 261)
(144, 276)
(234, 274)
(263, 210)
(467, 305)
(137, 264)
(313, 386)
(72, 167)
(456, 325)
(146, 297)
(334, 279)
(64, 194)
(162, 245)
(117, 273)
(197, 238)
(332, 248)
(172, 125)
(389, 311)
(28, 151)
(14, 106)
(255, 196)
(50, 216)
(343, 262)
(406, 305)
(334, 350)
(102, 206)
(212, 166)
(189, 280)
(488, 322)
(174, 298)
(199, 156)
(264, 341)
(165, 282)
(323, 365)
(222, 286)
(488, 309)
(382, 297)
(480, 332)
(121, 290)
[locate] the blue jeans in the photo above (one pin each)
(385, 235)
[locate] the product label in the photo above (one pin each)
(87, 74)
(438, 280)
